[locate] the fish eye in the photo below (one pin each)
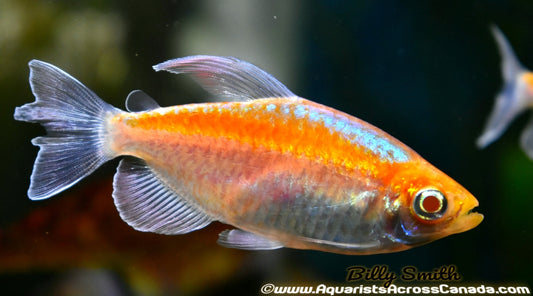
(430, 204)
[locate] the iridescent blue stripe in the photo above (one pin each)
(357, 134)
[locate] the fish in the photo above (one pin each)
(515, 97)
(282, 170)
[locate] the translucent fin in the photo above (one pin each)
(74, 119)
(513, 98)
(147, 204)
(506, 108)
(228, 77)
(239, 239)
(138, 101)
(526, 139)
(510, 65)
(344, 246)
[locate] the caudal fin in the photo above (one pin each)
(74, 118)
(513, 99)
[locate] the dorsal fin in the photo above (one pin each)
(228, 77)
(138, 101)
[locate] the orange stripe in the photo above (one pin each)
(252, 123)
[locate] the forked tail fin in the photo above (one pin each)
(74, 118)
(514, 97)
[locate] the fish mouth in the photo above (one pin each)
(472, 218)
(466, 218)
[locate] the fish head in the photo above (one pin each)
(430, 205)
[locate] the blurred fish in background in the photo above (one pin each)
(515, 97)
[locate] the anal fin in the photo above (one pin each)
(239, 239)
(147, 204)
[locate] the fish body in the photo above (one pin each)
(286, 171)
(515, 97)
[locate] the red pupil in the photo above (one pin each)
(431, 204)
